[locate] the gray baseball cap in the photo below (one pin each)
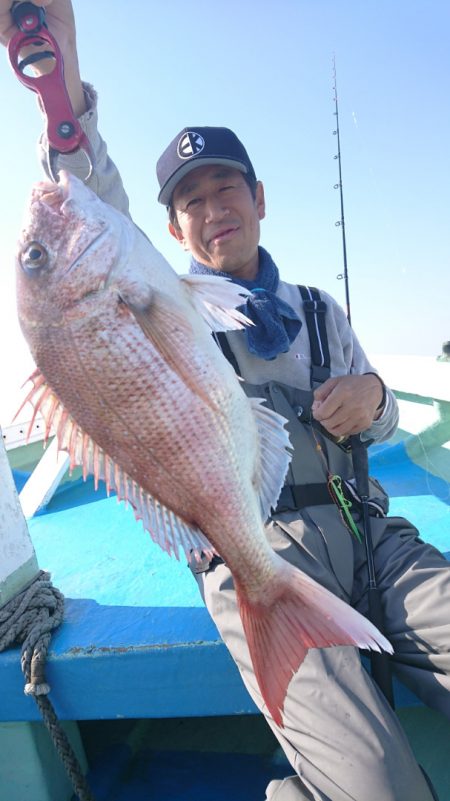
(195, 147)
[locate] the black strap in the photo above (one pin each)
(315, 310)
(222, 341)
(297, 496)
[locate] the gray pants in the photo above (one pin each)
(341, 737)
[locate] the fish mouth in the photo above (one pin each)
(64, 199)
(68, 195)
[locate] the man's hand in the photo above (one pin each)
(7, 26)
(347, 404)
(61, 24)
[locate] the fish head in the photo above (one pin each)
(69, 245)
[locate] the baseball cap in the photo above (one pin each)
(196, 147)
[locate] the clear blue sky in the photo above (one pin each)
(265, 70)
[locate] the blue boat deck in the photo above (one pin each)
(137, 648)
(134, 619)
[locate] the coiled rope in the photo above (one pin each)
(28, 619)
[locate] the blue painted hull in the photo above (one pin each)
(138, 644)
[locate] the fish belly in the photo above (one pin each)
(193, 447)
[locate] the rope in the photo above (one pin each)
(29, 619)
(64, 749)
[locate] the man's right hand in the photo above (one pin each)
(59, 18)
(61, 24)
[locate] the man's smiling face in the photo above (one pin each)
(217, 219)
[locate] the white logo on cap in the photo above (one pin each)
(190, 144)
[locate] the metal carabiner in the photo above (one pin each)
(64, 132)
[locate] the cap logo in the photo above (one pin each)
(190, 144)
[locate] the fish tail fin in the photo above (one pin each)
(297, 614)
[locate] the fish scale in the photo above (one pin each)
(141, 396)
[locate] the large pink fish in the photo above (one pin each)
(139, 394)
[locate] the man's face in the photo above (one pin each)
(218, 219)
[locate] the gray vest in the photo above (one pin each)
(317, 456)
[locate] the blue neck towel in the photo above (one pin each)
(276, 323)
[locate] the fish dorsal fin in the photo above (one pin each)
(215, 298)
(274, 460)
(165, 528)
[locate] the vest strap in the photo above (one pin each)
(222, 341)
(315, 310)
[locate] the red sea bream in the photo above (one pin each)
(131, 380)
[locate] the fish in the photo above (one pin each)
(131, 381)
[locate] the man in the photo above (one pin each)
(215, 207)
(340, 735)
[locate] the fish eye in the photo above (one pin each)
(33, 256)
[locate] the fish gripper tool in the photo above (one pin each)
(32, 43)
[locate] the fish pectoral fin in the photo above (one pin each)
(215, 298)
(274, 452)
(159, 318)
(172, 335)
(166, 328)
(301, 614)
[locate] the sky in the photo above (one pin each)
(265, 69)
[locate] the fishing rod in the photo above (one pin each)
(380, 662)
(341, 223)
